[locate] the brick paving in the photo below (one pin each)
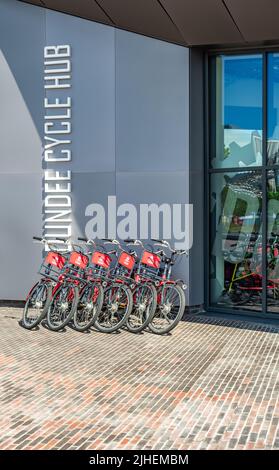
(212, 384)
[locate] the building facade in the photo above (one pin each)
(92, 114)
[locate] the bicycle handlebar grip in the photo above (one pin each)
(61, 239)
(82, 239)
(129, 240)
(39, 239)
(107, 239)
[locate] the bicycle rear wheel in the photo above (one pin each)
(144, 308)
(117, 306)
(89, 306)
(36, 304)
(170, 309)
(62, 307)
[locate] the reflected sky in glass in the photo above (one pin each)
(238, 119)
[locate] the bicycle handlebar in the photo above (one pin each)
(111, 252)
(88, 241)
(164, 243)
(131, 241)
(111, 240)
(52, 242)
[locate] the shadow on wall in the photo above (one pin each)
(19, 131)
(20, 185)
(22, 38)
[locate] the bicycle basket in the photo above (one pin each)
(149, 265)
(78, 260)
(126, 260)
(151, 260)
(52, 265)
(101, 259)
(100, 263)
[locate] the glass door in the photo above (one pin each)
(243, 175)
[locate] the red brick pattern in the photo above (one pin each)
(211, 384)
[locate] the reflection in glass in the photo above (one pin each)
(236, 113)
(273, 240)
(273, 110)
(236, 240)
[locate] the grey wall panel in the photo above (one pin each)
(20, 215)
(89, 188)
(154, 187)
(22, 37)
(92, 90)
(147, 187)
(152, 122)
(151, 104)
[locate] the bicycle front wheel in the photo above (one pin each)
(89, 306)
(36, 304)
(117, 306)
(144, 308)
(170, 309)
(62, 307)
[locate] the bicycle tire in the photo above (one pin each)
(114, 289)
(159, 312)
(139, 307)
(53, 321)
(36, 291)
(88, 291)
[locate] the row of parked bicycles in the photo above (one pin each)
(108, 285)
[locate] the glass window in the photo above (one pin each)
(273, 110)
(236, 240)
(236, 111)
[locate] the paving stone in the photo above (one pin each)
(211, 384)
